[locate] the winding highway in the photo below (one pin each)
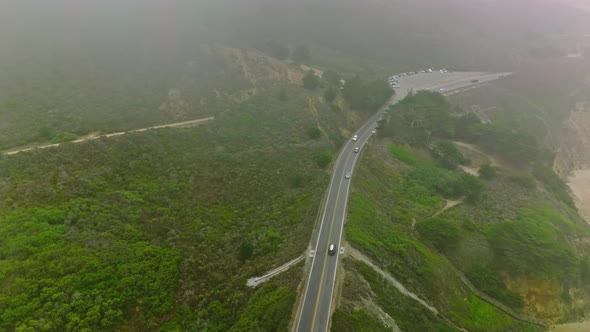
(315, 310)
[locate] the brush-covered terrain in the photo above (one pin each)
(514, 233)
(159, 230)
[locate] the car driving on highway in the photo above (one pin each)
(355, 137)
(332, 249)
(347, 175)
(356, 149)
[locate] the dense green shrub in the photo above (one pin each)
(487, 171)
(522, 179)
(355, 321)
(366, 96)
(330, 94)
(324, 158)
(441, 233)
(448, 155)
(310, 80)
(553, 183)
(314, 133)
(531, 245)
(418, 118)
(489, 282)
(63, 137)
(402, 154)
(269, 309)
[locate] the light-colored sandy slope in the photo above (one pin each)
(572, 327)
(579, 183)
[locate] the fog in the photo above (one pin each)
(162, 159)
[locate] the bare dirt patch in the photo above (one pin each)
(542, 297)
(572, 327)
(579, 183)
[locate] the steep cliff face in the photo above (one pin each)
(573, 152)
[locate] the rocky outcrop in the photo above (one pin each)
(573, 151)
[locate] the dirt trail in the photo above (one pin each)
(359, 256)
(571, 327)
(253, 282)
(449, 205)
(96, 136)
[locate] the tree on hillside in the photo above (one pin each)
(330, 94)
(448, 155)
(441, 233)
(355, 92)
(419, 117)
(301, 54)
(332, 77)
(314, 132)
(366, 95)
(277, 50)
(512, 145)
(324, 158)
(472, 187)
(310, 81)
(463, 123)
(487, 171)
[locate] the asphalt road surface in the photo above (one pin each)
(315, 311)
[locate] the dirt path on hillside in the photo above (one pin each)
(571, 327)
(96, 135)
(449, 205)
(253, 282)
(579, 183)
(401, 288)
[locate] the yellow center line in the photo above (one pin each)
(317, 300)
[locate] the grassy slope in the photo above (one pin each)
(176, 204)
(381, 210)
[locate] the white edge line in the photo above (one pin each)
(319, 236)
(383, 109)
(341, 230)
(343, 217)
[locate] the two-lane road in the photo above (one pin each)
(314, 314)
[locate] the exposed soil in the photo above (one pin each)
(447, 206)
(579, 183)
(571, 327)
(573, 151)
(572, 158)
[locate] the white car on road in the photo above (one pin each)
(355, 137)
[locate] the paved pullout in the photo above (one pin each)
(315, 311)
